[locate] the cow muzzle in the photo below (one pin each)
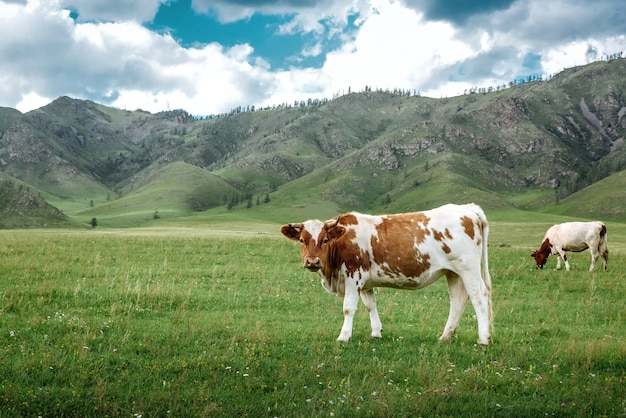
(312, 263)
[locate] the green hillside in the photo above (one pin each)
(176, 190)
(605, 199)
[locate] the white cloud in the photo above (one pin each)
(31, 101)
(395, 48)
(578, 53)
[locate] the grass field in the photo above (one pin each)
(198, 322)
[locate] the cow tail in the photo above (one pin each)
(603, 248)
(484, 225)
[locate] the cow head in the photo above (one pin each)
(314, 237)
(542, 254)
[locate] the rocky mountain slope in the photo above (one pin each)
(20, 208)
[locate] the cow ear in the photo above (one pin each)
(336, 231)
(291, 231)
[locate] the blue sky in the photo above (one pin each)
(260, 31)
(210, 56)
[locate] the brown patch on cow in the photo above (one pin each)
(468, 225)
(348, 219)
(441, 236)
(343, 250)
(393, 247)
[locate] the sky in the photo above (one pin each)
(211, 56)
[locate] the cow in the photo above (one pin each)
(576, 237)
(354, 253)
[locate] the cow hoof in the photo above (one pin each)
(484, 345)
(343, 339)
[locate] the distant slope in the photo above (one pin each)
(20, 208)
(603, 200)
(423, 184)
(178, 189)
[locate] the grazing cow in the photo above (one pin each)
(576, 237)
(354, 253)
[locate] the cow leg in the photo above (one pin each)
(458, 300)
(594, 257)
(567, 267)
(605, 258)
(480, 296)
(561, 255)
(350, 303)
(369, 300)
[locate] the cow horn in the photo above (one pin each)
(296, 226)
(331, 222)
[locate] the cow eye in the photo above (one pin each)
(325, 240)
(301, 240)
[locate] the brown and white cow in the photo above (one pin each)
(576, 237)
(354, 253)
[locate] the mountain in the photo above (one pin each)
(537, 146)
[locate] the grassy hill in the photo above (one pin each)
(603, 200)
(178, 189)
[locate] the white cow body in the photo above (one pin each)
(355, 253)
(575, 237)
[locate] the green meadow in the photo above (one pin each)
(199, 321)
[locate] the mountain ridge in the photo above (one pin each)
(373, 150)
